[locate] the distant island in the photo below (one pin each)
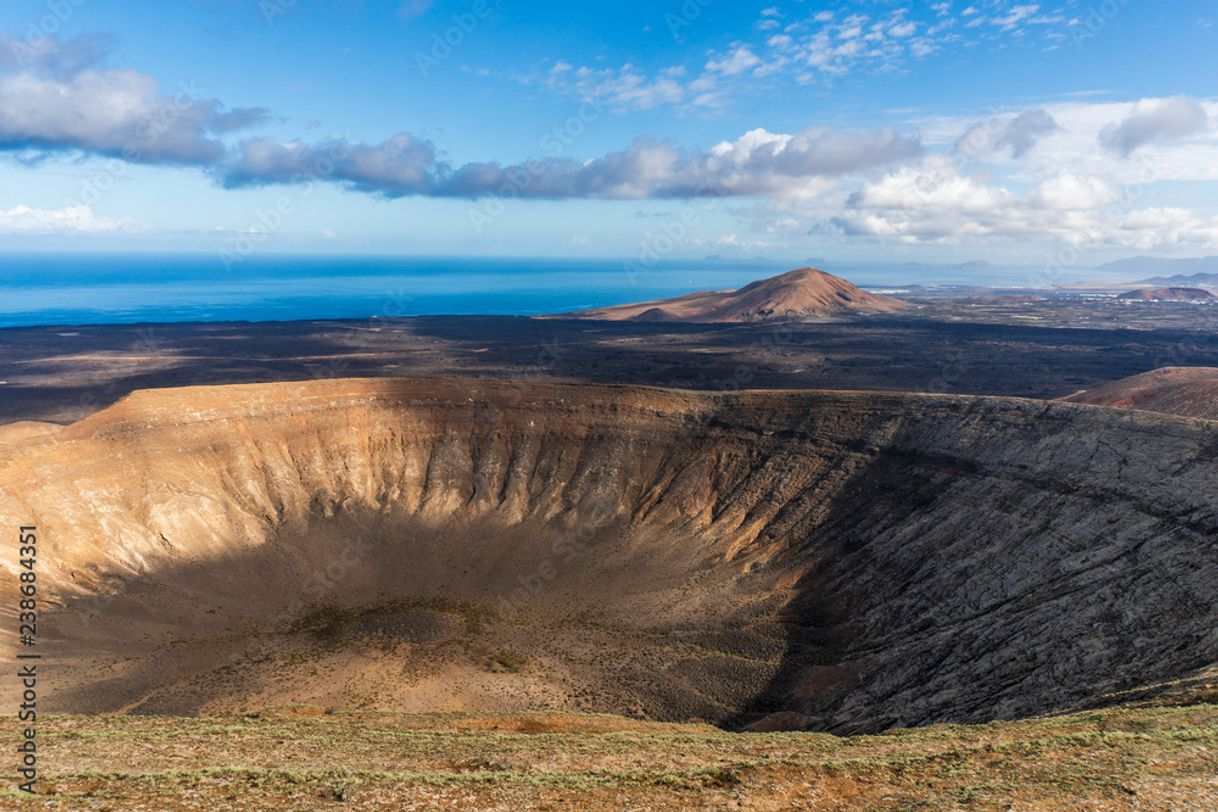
(1182, 280)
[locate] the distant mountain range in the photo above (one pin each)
(1168, 272)
(1179, 280)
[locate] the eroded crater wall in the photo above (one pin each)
(855, 560)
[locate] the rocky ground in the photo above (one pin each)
(1145, 758)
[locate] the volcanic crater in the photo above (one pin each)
(839, 561)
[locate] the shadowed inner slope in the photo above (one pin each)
(846, 561)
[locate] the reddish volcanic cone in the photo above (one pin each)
(1184, 391)
(1169, 295)
(806, 293)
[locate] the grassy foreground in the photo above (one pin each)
(1128, 758)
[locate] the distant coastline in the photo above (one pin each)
(49, 289)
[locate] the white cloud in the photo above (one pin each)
(738, 61)
(1015, 15)
(935, 184)
(1160, 228)
(53, 97)
(1070, 192)
(877, 36)
(935, 203)
(1039, 174)
(625, 88)
(816, 151)
(77, 219)
(859, 41)
(1074, 142)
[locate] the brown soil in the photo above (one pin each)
(25, 429)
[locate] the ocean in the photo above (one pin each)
(67, 289)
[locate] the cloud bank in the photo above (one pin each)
(758, 163)
(933, 202)
(55, 97)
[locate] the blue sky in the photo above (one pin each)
(1016, 132)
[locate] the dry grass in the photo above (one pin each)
(304, 758)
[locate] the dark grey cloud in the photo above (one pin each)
(1025, 130)
(1154, 121)
(1015, 136)
(399, 166)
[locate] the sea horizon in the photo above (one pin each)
(52, 288)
